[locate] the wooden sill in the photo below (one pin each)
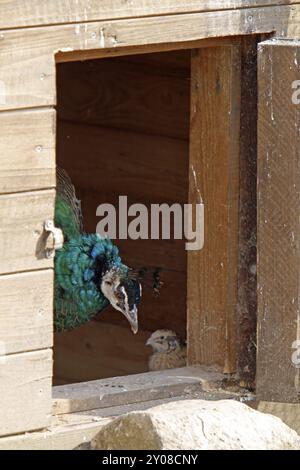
(76, 430)
(81, 410)
(120, 391)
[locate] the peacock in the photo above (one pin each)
(89, 273)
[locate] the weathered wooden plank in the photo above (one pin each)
(144, 49)
(133, 389)
(151, 99)
(27, 56)
(247, 296)
(27, 150)
(26, 311)
(76, 430)
(60, 437)
(278, 222)
(25, 389)
(214, 178)
(99, 350)
(22, 235)
(110, 162)
(16, 13)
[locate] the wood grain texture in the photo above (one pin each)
(214, 177)
(27, 150)
(18, 13)
(26, 311)
(278, 222)
(27, 56)
(58, 437)
(247, 283)
(105, 163)
(25, 388)
(22, 236)
(98, 350)
(133, 389)
(130, 95)
(75, 430)
(142, 49)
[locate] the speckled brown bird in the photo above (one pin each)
(169, 350)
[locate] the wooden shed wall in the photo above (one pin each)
(13, 13)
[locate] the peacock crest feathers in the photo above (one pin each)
(68, 214)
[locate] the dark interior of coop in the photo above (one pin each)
(123, 129)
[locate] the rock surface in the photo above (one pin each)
(197, 424)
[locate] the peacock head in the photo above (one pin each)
(123, 293)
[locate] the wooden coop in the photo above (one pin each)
(158, 100)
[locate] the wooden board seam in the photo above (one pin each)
(190, 11)
(38, 45)
(146, 17)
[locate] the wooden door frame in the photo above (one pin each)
(217, 95)
(214, 171)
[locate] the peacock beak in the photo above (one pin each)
(132, 317)
(134, 328)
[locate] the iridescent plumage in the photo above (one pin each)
(89, 273)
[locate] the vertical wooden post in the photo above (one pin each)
(214, 173)
(278, 221)
(247, 295)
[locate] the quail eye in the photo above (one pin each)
(162, 337)
(108, 283)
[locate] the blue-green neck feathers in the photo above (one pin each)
(80, 264)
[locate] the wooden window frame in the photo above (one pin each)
(215, 86)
